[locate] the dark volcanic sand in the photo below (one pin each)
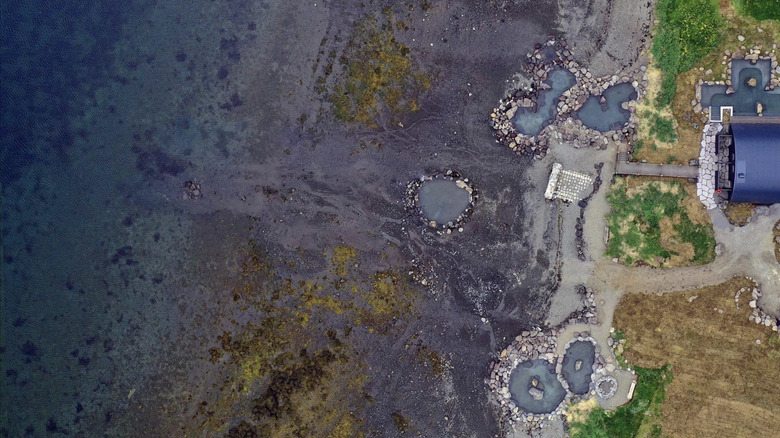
(121, 286)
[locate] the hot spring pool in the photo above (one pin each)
(542, 373)
(579, 380)
(530, 122)
(610, 115)
(442, 200)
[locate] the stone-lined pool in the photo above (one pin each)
(529, 122)
(443, 200)
(578, 366)
(534, 386)
(609, 115)
(748, 93)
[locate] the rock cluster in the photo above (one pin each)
(586, 315)
(564, 126)
(757, 315)
(412, 201)
(192, 190)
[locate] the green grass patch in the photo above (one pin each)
(759, 9)
(635, 224)
(687, 30)
(662, 128)
(626, 421)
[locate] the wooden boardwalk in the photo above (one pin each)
(624, 167)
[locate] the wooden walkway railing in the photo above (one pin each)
(624, 167)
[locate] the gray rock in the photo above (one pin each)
(536, 393)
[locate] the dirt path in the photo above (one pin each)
(746, 251)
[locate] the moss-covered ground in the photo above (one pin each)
(293, 363)
(379, 75)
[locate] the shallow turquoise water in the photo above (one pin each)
(611, 115)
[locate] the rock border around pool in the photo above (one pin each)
(539, 343)
(412, 201)
(564, 126)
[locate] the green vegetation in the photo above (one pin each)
(687, 31)
(650, 222)
(759, 9)
(378, 73)
(626, 421)
(638, 146)
(662, 128)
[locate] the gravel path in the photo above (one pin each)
(746, 251)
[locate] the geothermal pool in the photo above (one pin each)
(529, 122)
(521, 386)
(579, 379)
(442, 200)
(610, 115)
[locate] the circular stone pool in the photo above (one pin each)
(578, 365)
(443, 200)
(534, 386)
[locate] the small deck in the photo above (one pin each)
(624, 167)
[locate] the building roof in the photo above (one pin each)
(756, 163)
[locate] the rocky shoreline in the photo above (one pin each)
(564, 126)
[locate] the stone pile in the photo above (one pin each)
(564, 126)
(705, 185)
(412, 201)
(588, 314)
(192, 190)
(757, 315)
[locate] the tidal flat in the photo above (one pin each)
(293, 294)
